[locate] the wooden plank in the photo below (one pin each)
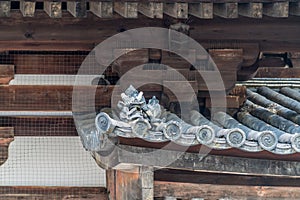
(151, 9)
(226, 10)
(176, 10)
(231, 102)
(6, 137)
(4, 8)
(40, 126)
(77, 8)
(275, 72)
(211, 191)
(173, 175)
(6, 73)
(53, 8)
(201, 10)
(50, 98)
(55, 193)
(252, 10)
(126, 9)
(276, 9)
(103, 9)
(294, 8)
(27, 8)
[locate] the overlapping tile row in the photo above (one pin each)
(268, 121)
(157, 9)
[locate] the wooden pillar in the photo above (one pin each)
(276, 9)
(4, 8)
(103, 9)
(53, 8)
(176, 10)
(127, 9)
(27, 8)
(77, 8)
(253, 10)
(136, 183)
(226, 10)
(6, 74)
(151, 9)
(201, 10)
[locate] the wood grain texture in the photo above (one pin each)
(6, 74)
(211, 191)
(55, 193)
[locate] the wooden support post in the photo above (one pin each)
(136, 183)
(127, 9)
(77, 8)
(53, 8)
(4, 8)
(27, 8)
(295, 8)
(276, 9)
(226, 10)
(6, 74)
(253, 10)
(151, 9)
(176, 10)
(103, 9)
(201, 10)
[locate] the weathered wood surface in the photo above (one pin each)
(176, 10)
(51, 98)
(212, 191)
(254, 10)
(103, 9)
(27, 8)
(151, 9)
(120, 158)
(276, 9)
(77, 8)
(6, 74)
(136, 183)
(226, 10)
(53, 9)
(201, 10)
(6, 137)
(275, 72)
(4, 8)
(40, 126)
(126, 9)
(55, 193)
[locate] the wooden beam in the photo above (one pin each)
(226, 10)
(6, 137)
(45, 193)
(176, 10)
(212, 191)
(6, 74)
(276, 9)
(53, 8)
(201, 10)
(151, 9)
(50, 98)
(77, 8)
(294, 8)
(252, 10)
(126, 9)
(103, 9)
(275, 72)
(4, 8)
(27, 8)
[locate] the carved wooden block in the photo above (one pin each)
(151, 9)
(77, 8)
(27, 8)
(226, 10)
(4, 8)
(53, 8)
(276, 9)
(201, 10)
(253, 10)
(102, 9)
(127, 9)
(176, 10)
